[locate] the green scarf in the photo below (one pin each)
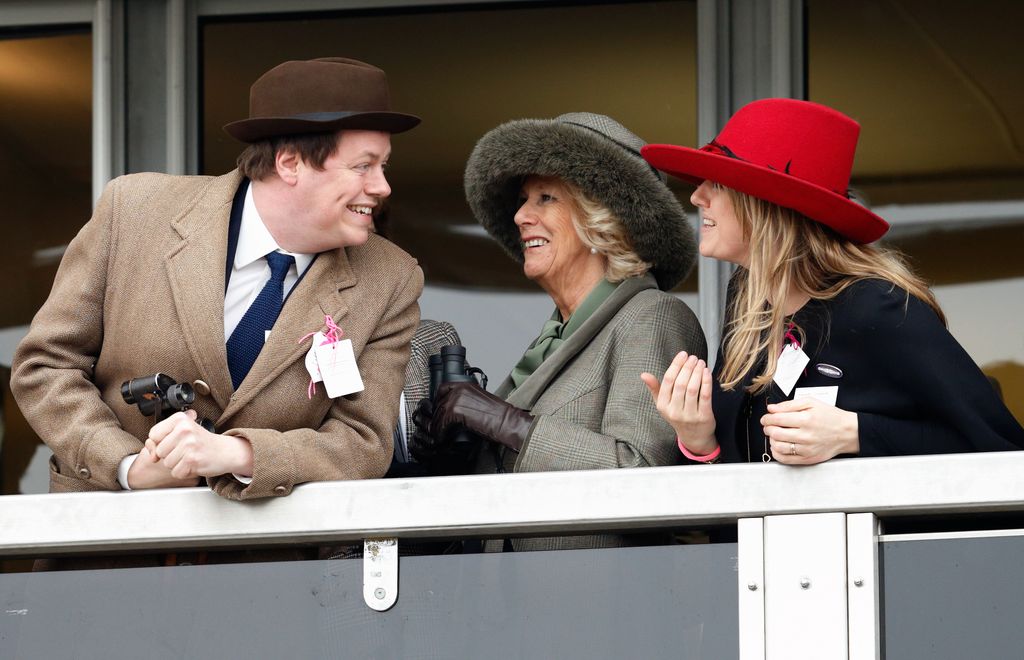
(555, 332)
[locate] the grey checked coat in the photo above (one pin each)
(593, 411)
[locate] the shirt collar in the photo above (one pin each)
(255, 241)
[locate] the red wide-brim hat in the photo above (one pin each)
(796, 154)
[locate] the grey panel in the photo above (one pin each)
(953, 598)
(659, 602)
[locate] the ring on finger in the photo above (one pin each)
(792, 449)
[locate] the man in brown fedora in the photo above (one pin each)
(226, 280)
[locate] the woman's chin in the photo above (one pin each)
(533, 270)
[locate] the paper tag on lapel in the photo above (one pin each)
(337, 363)
(790, 368)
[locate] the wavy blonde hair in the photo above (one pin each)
(601, 230)
(789, 250)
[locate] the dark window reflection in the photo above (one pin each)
(464, 72)
(936, 88)
(45, 167)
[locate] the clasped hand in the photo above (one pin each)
(178, 451)
(807, 431)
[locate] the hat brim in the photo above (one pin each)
(845, 216)
(251, 130)
(652, 217)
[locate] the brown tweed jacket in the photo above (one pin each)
(141, 290)
(592, 410)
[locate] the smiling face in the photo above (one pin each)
(553, 254)
(721, 233)
(333, 207)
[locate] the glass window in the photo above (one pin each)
(936, 88)
(45, 162)
(464, 72)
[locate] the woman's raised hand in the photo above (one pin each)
(683, 398)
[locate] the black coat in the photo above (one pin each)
(914, 388)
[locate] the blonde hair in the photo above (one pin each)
(790, 251)
(601, 230)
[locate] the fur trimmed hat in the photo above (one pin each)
(599, 156)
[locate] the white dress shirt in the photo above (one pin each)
(249, 274)
(250, 271)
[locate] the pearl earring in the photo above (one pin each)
(593, 250)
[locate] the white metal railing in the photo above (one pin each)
(523, 504)
(807, 565)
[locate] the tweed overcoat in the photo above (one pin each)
(591, 409)
(141, 290)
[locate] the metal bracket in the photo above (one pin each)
(380, 573)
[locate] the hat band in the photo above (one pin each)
(717, 148)
(328, 116)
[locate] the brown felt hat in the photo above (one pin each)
(319, 96)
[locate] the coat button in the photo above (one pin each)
(281, 490)
(84, 473)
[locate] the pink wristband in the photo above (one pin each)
(694, 457)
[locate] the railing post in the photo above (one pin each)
(750, 571)
(805, 587)
(862, 530)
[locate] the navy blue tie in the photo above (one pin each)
(247, 340)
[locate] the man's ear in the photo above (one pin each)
(287, 163)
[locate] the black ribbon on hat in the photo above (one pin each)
(718, 148)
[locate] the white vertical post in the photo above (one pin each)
(805, 587)
(750, 570)
(862, 531)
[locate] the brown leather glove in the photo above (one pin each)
(455, 454)
(468, 406)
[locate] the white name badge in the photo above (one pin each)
(337, 364)
(826, 395)
(790, 368)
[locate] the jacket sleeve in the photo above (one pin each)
(52, 373)
(956, 407)
(631, 433)
(883, 435)
(355, 440)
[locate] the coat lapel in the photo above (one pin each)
(533, 387)
(321, 292)
(195, 269)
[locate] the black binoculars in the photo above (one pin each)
(449, 366)
(162, 396)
